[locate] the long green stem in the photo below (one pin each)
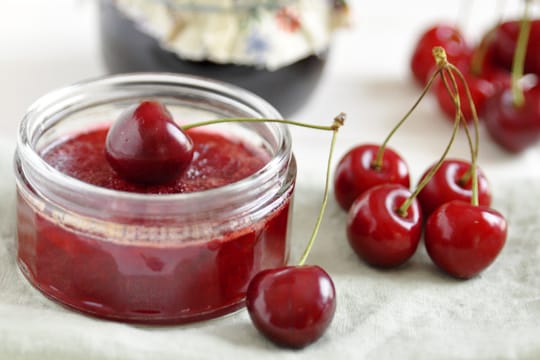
(472, 106)
(377, 162)
(479, 54)
(338, 122)
(518, 63)
(454, 95)
(324, 201)
(257, 120)
(442, 64)
(457, 103)
(476, 122)
(405, 206)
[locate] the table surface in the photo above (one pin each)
(46, 45)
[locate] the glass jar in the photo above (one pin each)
(274, 48)
(150, 258)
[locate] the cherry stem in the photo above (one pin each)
(445, 68)
(260, 120)
(402, 210)
(518, 63)
(474, 151)
(377, 162)
(450, 70)
(338, 122)
(479, 55)
(454, 95)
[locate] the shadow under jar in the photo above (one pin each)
(276, 49)
(150, 258)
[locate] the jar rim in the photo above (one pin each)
(55, 100)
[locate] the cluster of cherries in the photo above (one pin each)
(462, 234)
(507, 102)
(290, 305)
(294, 305)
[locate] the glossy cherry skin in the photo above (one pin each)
(293, 305)
(504, 42)
(146, 146)
(355, 172)
(446, 185)
(480, 88)
(513, 128)
(377, 233)
(463, 239)
(451, 39)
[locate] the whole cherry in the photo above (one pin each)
(292, 306)
(145, 145)
(464, 239)
(513, 127)
(380, 230)
(449, 37)
(452, 181)
(359, 170)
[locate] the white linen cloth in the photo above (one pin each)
(414, 312)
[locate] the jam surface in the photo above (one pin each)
(168, 283)
(217, 161)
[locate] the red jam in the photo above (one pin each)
(217, 161)
(151, 282)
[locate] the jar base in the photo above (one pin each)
(146, 318)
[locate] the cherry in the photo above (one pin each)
(513, 115)
(514, 128)
(146, 146)
(451, 39)
(378, 231)
(357, 171)
(292, 306)
(450, 182)
(463, 239)
(505, 41)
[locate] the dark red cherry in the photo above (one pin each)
(488, 68)
(504, 42)
(480, 89)
(515, 128)
(448, 184)
(356, 172)
(451, 39)
(146, 146)
(463, 239)
(377, 232)
(292, 306)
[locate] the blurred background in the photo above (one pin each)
(45, 45)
